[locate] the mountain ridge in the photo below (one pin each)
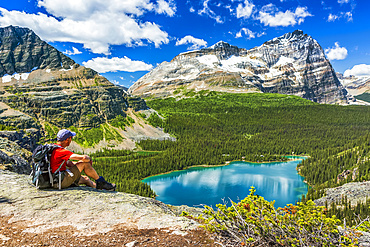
(293, 63)
(22, 51)
(42, 88)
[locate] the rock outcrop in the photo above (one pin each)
(41, 88)
(13, 157)
(355, 192)
(22, 51)
(291, 64)
(78, 97)
(39, 84)
(87, 209)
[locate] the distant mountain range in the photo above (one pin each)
(355, 85)
(41, 85)
(293, 64)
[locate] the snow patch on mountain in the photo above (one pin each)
(208, 60)
(21, 76)
(291, 64)
(284, 60)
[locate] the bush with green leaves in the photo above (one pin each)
(92, 136)
(256, 222)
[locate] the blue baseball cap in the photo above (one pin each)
(64, 134)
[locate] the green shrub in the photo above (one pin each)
(255, 222)
(130, 120)
(6, 127)
(119, 122)
(92, 136)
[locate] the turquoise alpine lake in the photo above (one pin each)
(199, 186)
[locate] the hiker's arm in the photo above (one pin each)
(82, 157)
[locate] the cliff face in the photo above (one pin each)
(291, 64)
(42, 89)
(39, 83)
(21, 50)
(72, 101)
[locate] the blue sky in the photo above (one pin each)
(124, 39)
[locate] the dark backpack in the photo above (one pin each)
(42, 176)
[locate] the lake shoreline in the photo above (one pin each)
(276, 181)
(225, 164)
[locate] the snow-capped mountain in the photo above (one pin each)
(291, 64)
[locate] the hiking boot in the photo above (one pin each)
(101, 184)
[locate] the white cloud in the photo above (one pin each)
(336, 52)
(244, 11)
(164, 7)
(247, 32)
(81, 9)
(74, 51)
(332, 17)
(346, 15)
(197, 43)
(360, 70)
(269, 16)
(96, 24)
(343, 1)
(210, 13)
(114, 64)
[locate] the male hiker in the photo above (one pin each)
(71, 171)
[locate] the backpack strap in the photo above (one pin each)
(57, 170)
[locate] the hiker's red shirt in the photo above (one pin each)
(57, 157)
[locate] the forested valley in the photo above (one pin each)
(211, 128)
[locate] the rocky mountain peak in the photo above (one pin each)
(221, 49)
(21, 51)
(297, 36)
(220, 45)
(293, 63)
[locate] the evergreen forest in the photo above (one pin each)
(211, 128)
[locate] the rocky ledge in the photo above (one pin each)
(86, 217)
(88, 211)
(355, 192)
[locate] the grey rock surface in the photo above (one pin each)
(355, 192)
(21, 50)
(13, 157)
(26, 139)
(89, 210)
(53, 88)
(293, 64)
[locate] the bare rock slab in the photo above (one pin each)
(89, 210)
(355, 192)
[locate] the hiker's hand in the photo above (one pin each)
(86, 158)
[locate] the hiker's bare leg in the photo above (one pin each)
(87, 181)
(88, 169)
